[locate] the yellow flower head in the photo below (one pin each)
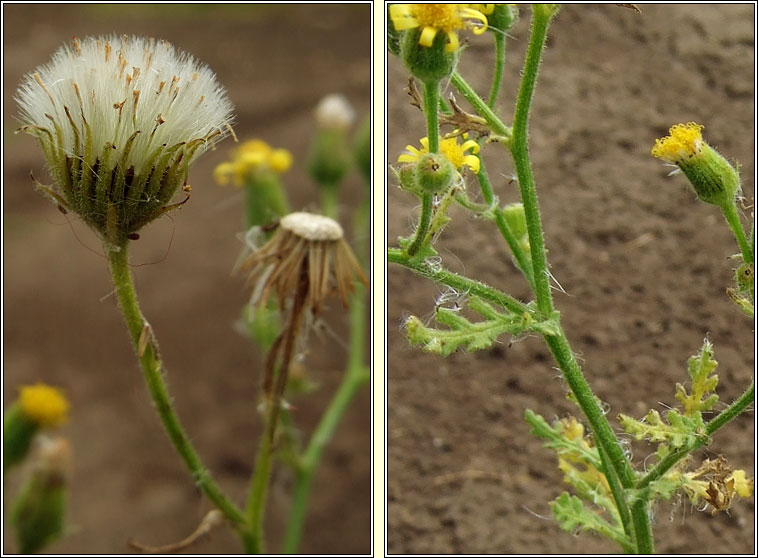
(45, 405)
(251, 157)
(438, 18)
(452, 151)
(683, 142)
(714, 179)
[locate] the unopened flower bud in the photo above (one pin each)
(38, 513)
(434, 173)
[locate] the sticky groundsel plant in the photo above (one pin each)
(120, 120)
(609, 495)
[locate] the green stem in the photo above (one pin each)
(502, 225)
(457, 282)
(499, 65)
(154, 372)
(355, 378)
(329, 201)
(733, 220)
(643, 533)
(256, 502)
(732, 411)
(423, 224)
(493, 121)
(431, 104)
(604, 436)
(619, 497)
(520, 152)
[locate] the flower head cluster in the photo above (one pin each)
(44, 405)
(439, 18)
(253, 156)
(120, 119)
(451, 149)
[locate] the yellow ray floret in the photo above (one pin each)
(683, 142)
(452, 151)
(438, 18)
(250, 157)
(45, 405)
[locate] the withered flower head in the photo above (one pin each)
(307, 253)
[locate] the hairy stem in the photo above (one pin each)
(733, 220)
(493, 121)
(431, 105)
(497, 78)
(356, 376)
(457, 282)
(502, 225)
(423, 225)
(520, 151)
(153, 372)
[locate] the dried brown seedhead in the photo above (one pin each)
(305, 249)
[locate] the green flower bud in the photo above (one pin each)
(429, 64)
(715, 181)
(434, 173)
(329, 158)
(516, 219)
(502, 18)
(37, 515)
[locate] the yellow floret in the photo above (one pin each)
(434, 18)
(45, 405)
(742, 485)
(682, 143)
(452, 151)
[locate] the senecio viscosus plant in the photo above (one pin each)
(610, 496)
(120, 120)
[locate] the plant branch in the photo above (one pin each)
(457, 282)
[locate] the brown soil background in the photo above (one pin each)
(643, 262)
(276, 62)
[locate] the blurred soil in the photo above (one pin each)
(62, 326)
(643, 263)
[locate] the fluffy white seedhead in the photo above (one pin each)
(116, 86)
(120, 120)
(334, 112)
(311, 227)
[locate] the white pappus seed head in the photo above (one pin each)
(311, 227)
(334, 112)
(120, 119)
